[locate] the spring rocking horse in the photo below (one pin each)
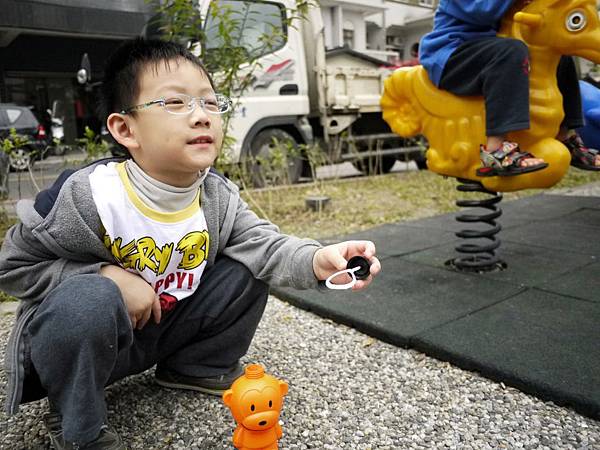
(455, 126)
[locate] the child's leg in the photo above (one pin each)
(211, 330)
(205, 335)
(498, 69)
(75, 338)
(568, 84)
(82, 340)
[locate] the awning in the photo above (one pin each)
(103, 18)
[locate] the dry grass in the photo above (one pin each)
(360, 203)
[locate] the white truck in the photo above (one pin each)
(303, 93)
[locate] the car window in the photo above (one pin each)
(21, 118)
(13, 115)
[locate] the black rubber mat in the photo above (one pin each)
(535, 325)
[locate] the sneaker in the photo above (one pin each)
(108, 439)
(214, 385)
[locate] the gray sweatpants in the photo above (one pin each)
(81, 339)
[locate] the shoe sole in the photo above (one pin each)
(585, 167)
(511, 173)
(189, 387)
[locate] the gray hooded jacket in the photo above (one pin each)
(59, 235)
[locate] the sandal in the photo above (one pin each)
(506, 161)
(581, 156)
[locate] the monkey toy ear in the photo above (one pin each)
(283, 388)
(227, 395)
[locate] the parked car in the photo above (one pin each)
(22, 119)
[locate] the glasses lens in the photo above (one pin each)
(211, 104)
(185, 104)
(216, 104)
(179, 104)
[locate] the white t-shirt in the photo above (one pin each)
(169, 250)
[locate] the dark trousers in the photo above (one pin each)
(81, 339)
(498, 69)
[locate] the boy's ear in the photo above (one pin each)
(119, 127)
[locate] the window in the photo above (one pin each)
(258, 28)
(348, 34)
(21, 118)
(13, 115)
(349, 38)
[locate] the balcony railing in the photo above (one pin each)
(429, 4)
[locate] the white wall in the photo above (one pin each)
(414, 32)
(397, 14)
(382, 13)
(338, 12)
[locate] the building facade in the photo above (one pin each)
(41, 46)
(383, 29)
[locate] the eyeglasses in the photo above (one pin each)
(185, 104)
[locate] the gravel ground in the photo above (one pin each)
(347, 391)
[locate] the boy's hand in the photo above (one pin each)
(333, 258)
(140, 299)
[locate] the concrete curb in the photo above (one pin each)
(8, 308)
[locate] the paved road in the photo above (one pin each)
(26, 184)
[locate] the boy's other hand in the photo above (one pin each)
(333, 258)
(139, 297)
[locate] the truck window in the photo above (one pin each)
(257, 27)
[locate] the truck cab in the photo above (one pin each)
(299, 93)
(275, 104)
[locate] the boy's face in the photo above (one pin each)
(174, 148)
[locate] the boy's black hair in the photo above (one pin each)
(125, 65)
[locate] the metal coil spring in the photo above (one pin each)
(480, 257)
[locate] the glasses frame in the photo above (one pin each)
(193, 101)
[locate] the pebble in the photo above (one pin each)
(343, 394)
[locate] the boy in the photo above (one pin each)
(158, 236)
(464, 56)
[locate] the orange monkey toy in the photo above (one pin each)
(255, 400)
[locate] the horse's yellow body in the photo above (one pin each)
(455, 126)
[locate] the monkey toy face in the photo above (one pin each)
(255, 399)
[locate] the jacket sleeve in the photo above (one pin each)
(57, 237)
(29, 271)
(485, 13)
(270, 255)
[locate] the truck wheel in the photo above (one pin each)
(275, 158)
(421, 162)
(373, 165)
